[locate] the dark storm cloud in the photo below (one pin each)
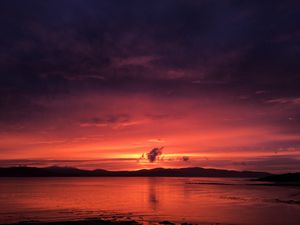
(50, 45)
(154, 154)
(53, 48)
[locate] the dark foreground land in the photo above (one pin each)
(79, 222)
(287, 178)
(102, 222)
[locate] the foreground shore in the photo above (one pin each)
(78, 222)
(106, 222)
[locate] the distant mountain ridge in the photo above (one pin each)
(157, 172)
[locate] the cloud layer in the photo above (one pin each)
(108, 79)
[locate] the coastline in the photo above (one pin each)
(87, 221)
(96, 221)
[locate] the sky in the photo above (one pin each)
(125, 85)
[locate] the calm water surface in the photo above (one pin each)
(149, 199)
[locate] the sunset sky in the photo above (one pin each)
(99, 84)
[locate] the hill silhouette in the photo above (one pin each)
(282, 178)
(157, 172)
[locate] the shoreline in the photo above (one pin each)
(101, 221)
(87, 221)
